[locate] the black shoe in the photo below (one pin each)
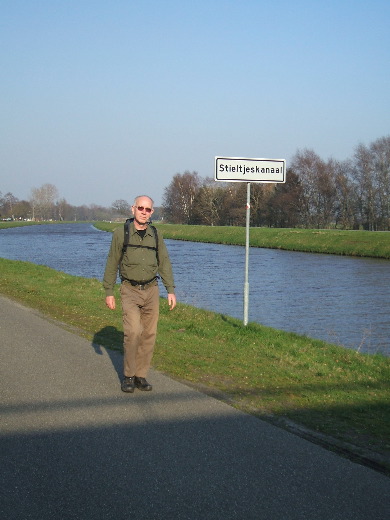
(142, 384)
(128, 384)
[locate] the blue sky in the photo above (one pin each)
(109, 99)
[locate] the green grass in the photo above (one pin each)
(330, 241)
(19, 223)
(276, 375)
(373, 244)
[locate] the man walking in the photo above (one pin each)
(139, 261)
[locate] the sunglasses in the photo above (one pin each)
(141, 208)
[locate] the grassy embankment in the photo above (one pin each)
(331, 241)
(20, 223)
(279, 376)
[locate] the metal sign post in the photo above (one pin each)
(239, 169)
(246, 282)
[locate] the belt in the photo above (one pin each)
(140, 285)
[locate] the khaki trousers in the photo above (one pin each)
(140, 312)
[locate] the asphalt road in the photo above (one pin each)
(73, 446)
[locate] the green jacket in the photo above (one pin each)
(138, 263)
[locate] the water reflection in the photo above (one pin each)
(339, 299)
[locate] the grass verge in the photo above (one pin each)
(316, 389)
(19, 223)
(331, 241)
(373, 244)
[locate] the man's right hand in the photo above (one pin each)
(110, 302)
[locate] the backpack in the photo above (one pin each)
(126, 239)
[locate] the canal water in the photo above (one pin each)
(342, 300)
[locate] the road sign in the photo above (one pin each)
(240, 169)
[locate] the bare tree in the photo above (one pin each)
(122, 207)
(2, 206)
(234, 204)
(208, 203)
(319, 189)
(380, 150)
(179, 197)
(364, 173)
(286, 204)
(64, 210)
(43, 201)
(22, 210)
(346, 200)
(261, 203)
(326, 195)
(9, 202)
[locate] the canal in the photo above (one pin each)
(341, 300)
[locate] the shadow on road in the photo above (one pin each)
(111, 339)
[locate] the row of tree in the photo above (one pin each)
(351, 194)
(45, 204)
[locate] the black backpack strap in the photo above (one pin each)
(156, 238)
(126, 238)
(127, 233)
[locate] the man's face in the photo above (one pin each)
(143, 210)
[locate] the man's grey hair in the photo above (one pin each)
(140, 197)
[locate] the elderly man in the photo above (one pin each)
(140, 253)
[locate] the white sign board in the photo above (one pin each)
(239, 169)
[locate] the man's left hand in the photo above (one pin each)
(171, 301)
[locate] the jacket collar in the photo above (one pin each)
(133, 230)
